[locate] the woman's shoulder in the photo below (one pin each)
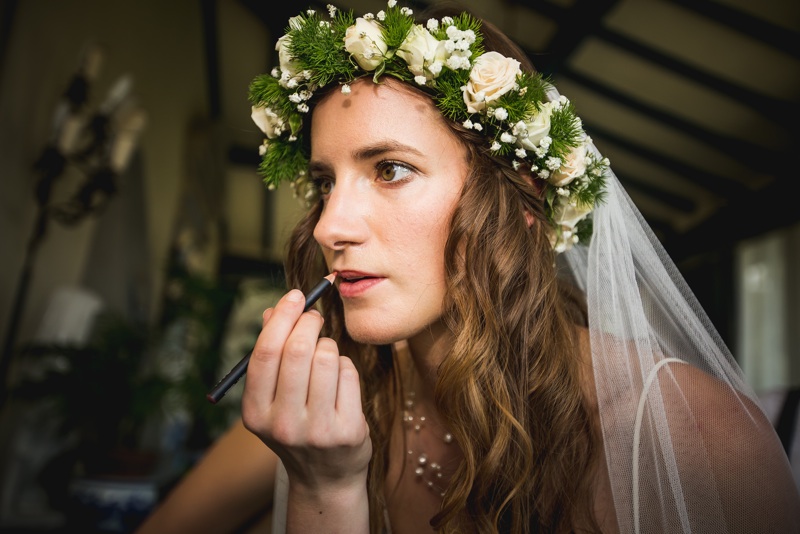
(674, 381)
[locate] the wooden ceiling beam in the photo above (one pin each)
(778, 37)
(781, 112)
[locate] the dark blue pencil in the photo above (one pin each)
(240, 368)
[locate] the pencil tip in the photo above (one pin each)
(331, 277)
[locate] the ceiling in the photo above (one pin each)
(695, 102)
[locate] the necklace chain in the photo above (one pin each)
(429, 472)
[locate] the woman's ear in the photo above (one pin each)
(526, 175)
(529, 219)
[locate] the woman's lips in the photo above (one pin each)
(352, 284)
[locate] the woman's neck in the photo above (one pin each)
(426, 350)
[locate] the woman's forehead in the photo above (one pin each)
(387, 108)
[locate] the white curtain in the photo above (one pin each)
(768, 303)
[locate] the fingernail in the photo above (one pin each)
(295, 295)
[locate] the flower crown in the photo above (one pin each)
(483, 91)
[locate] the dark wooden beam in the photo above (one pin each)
(781, 112)
(769, 209)
(721, 186)
(751, 155)
(778, 37)
(208, 10)
(574, 24)
(8, 9)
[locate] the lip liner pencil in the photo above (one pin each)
(240, 368)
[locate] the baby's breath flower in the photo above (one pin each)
(520, 152)
(432, 24)
(495, 146)
(406, 11)
(346, 89)
(459, 62)
(420, 80)
(331, 10)
(302, 108)
(507, 138)
(392, 3)
(467, 124)
(553, 163)
(515, 164)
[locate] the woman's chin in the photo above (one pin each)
(372, 336)
(363, 328)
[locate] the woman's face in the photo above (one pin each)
(390, 172)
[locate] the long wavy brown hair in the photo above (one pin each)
(509, 389)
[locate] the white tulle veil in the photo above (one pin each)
(688, 448)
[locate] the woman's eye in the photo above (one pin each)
(324, 186)
(390, 171)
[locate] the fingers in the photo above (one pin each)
(348, 395)
(295, 365)
(323, 384)
(265, 360)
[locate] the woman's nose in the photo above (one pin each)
(343, 221)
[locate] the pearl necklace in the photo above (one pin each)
(429, 472)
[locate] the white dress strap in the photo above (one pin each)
(637, 429)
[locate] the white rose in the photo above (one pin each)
(364, 40)
(492, 76)
(530, 134)
(565, 214)
(573, 167)
(420, 50)
(289, 66)
(267, 121)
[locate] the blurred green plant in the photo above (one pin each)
(102, 393)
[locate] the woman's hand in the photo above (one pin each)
(303, 400)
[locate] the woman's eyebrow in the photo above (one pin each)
(365, 153)
(382, 147)
(319, 167)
